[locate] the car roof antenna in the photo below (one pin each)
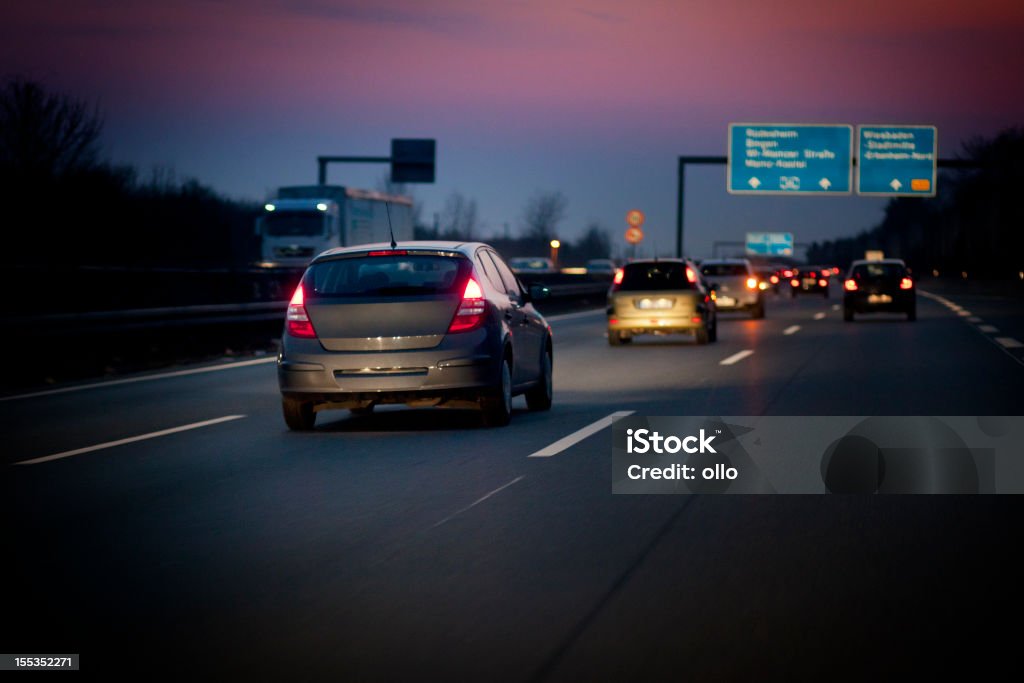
(391, 230)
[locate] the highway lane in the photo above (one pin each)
(358, 549)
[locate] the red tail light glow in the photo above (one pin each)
(774, 279)
(850, 285)
(395, 252)
(618, 276)
(751, 283)
(695, 319)
(835, 270)
(906, 283)
(470, 314)
(794, 282)
(691, 277)
(823, 283)
(787, 273)
(297, 320)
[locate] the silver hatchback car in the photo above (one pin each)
(424, 324)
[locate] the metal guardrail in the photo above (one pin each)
(215, 314)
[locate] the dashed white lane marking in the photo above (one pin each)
(835, 307)
(974, 319)
(144, 378)
(476, 502)
(964, 313)
(131, 439)
(580, 434)
(1009, 343)
(736, 357)
(819, 316)
(792, 329)
(989, 329)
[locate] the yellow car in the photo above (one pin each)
(662, 296)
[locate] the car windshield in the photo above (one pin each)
(293, 223)
(723, 269)
(879, 270)
(399, 275)
(655, 276)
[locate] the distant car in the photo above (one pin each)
(767, 278)
(735, 284)
(601, 266)
(425, 324)
(535, 265)
(879, 286)
(810, 280)
(660, 297)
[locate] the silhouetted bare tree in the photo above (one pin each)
(543, 212)
(459, 218)
(44, 135)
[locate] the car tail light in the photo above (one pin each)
(691, 276)
(618, 276)
(812, 274)
(762, 285)
(794, 282)
(471, 310)
(906, 283)
(774, 279)
(613, 321)
(850, 285)
(751, 283)
(298, 321)
(835, 270)
(787, 273)
(695, 319)
(389, 252)
(823, 283)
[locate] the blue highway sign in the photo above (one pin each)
(770, 243)
(780, 158)
(896, 161)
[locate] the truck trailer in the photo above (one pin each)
(301, 221)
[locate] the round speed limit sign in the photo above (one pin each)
(635, 218)
(634, 235)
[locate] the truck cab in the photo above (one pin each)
(296, 230)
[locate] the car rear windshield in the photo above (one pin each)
(723, 269)
(398, 275)
(654, 276)
(879, 270)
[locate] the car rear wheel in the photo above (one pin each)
(701, 336)
(758, 312)
(613, 338)
(298, 415)
(848, 314)
(539, 397)
(496, 405)
(912, 313)
(713, 332)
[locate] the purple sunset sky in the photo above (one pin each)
(596, 99)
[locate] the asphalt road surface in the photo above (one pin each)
(172, 523)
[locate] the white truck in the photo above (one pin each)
(301, 221)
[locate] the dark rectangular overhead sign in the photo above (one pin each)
(412, 160)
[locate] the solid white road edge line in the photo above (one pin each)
(580, 434)
(144, 378)
(476, 502)
(737, 357)
(792, 329)
(131, 439)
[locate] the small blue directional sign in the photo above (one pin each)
(781, 158)
(896, 161)
(770, 243)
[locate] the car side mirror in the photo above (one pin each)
(538, 292)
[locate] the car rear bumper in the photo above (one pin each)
(459, 365)
(653, 323)
(860, 302)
